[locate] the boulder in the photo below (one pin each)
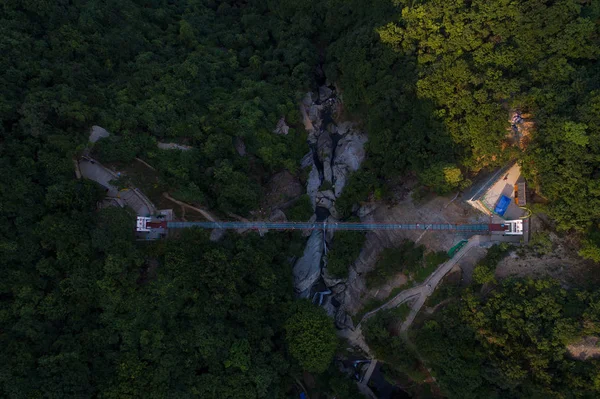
(282, 127)
(277, 216)
(326, 199)
(350, 150)
(240, 147)
(324, 93)
(97, 132)
(217, 234)
(307, 269)
(327, 194)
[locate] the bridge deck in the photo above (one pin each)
(331, 226)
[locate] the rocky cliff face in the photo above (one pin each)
(308, 268)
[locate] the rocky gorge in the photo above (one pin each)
(336, 150)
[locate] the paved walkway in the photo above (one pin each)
(135, 199)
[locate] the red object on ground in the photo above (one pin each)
(497, 227)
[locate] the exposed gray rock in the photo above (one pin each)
(314, 114)
(308, 268)
(327, 194)
(307, 160)
(329, 308)
(367, 209)
(324, 93)
(324, 150)
(338, 288)
(312, 184)
(173, 146)
(350, 150)
(326, 199)
(282, 127)
(343, 320)
(312, 219)
(349, 154)
(332, 128)
(327, 171)
(239, 145)
(217, 234)
(97, 133)
(339, 174)
(330, 232)
(307, 100)
(277, 216)
(344, 127)
(324, 146)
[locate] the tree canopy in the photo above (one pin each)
(512, 343)
(86, 311)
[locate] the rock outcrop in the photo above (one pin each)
(282, 127)
(349, 154)
(324, 93)
(282, 187)
(277, 216)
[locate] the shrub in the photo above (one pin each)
(301, 211)
(360, 184)
(407, 257)
(345, 249)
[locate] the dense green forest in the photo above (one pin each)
(85, 310)
(512, 343)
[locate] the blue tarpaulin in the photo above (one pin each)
(502, 205)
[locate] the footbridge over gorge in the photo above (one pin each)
(510, 227)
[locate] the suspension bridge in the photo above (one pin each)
(511, 227)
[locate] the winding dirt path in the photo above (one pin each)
(207, 215)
